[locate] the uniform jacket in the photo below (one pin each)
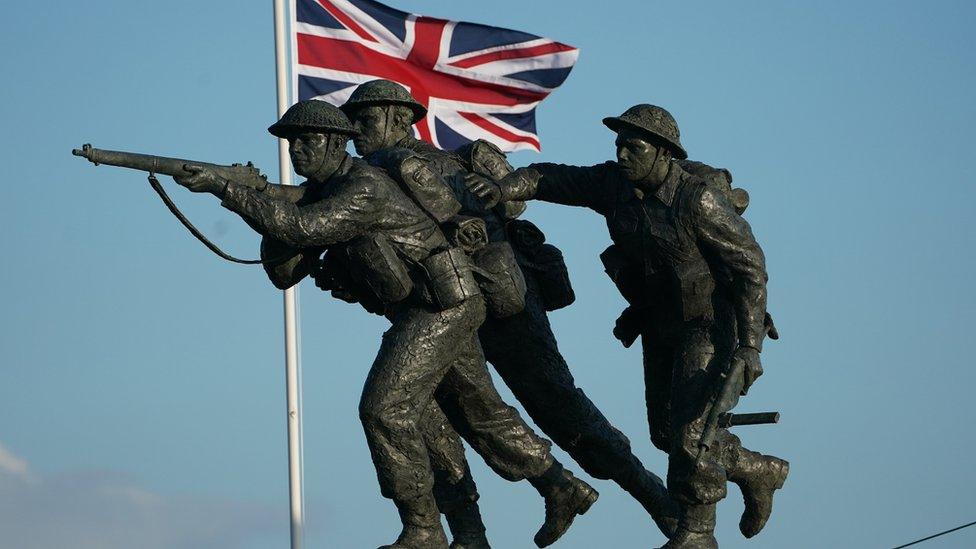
(357, 201)
(684, 237)
(449, 167)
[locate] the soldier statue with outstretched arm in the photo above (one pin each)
(521, 346)
(405, 268)
(695, 279)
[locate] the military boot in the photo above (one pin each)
(467, 528)
(566, 496)
(695, 529)
(421, 526)
(650, 492)
(758, 476)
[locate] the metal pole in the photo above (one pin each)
(293, 381)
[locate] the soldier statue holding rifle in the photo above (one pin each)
(695, 279)
(407, 268)
(425, 286)
(392, 254)
(412, 242)
(521, 346)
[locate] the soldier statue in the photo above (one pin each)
(695, 280)
(396, 260)
(521, 346)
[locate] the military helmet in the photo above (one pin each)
(653, 120)
(312, 115)
(383, 92)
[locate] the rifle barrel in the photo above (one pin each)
(758, 418)
(142, 162)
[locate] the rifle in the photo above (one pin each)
(245, 174)
(722, 401)
(759, 418)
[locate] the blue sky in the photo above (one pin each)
(142, 400)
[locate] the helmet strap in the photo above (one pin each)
(330, 140)
(390, 111)
(657, 156)
(386, 125)
(660, 155)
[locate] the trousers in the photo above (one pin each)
(430, 357)
(523, 350)
(682, 362)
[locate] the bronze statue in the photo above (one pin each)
(521, 346)
(397, 260)
(431, 240)
(695, 279)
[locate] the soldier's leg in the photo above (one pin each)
(494, 429)
(658, 358)
(706, 350)
(758, 476)
(416, 352)
(509, 446)
(454, 488)
(700, 354)
(658, 367)
(524, 352)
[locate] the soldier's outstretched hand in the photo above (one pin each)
(752, 366)
(487, 191)
(201, 179)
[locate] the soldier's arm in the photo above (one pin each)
(206, 178)
(340, 217)
(728, 243)
(288, 193)
(561, 184)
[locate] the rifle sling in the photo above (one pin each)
(196, 232)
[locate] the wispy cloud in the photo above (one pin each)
(102, 510)
(11, 464)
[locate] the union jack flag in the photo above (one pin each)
(478, 82)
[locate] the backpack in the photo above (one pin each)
(719, 179)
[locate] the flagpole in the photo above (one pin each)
(293, 385)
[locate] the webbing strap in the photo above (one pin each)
(196, 232)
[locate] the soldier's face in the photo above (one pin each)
(373, 126)
(635, 156)
(309, 153)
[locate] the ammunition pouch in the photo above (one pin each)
(373, 261)
(450, 279)
(333, 274)
(500, 279)
(545, 262)
(627, 275)
(697, 285)
(692, 280)
(421, 184)
(551, 272)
